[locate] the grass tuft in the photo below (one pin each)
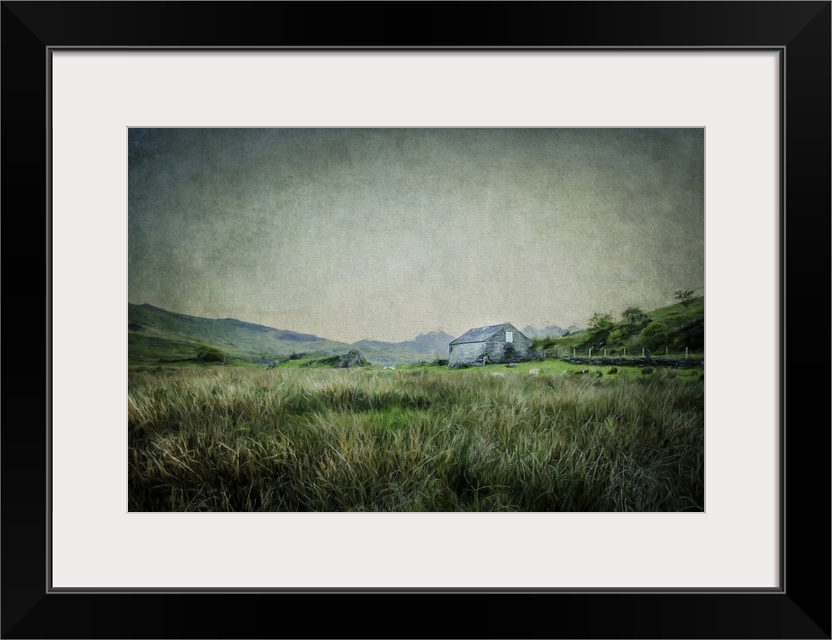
(306, 439)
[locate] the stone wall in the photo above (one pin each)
(639, 362)
(466, 353)
(496, 346)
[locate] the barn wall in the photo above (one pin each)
(523, 345)
(466, 353)
(496, 345)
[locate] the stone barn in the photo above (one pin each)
(499, 343)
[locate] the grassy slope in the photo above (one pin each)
(685, 328)
(155, 334)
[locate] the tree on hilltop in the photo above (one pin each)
(601, 321)
(684, 296)
(633, 315)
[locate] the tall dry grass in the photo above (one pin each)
(236, 439)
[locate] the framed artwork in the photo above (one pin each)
(123, 104)
(376, 339)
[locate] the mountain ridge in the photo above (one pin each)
(158, 334)
(432, 343)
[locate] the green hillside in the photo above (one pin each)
(155, 334)
(676, 327)
(159, 336)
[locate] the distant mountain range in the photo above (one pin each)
(549, 331)
(155, 334)
(433, 344)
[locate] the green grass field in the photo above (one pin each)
(544, 436)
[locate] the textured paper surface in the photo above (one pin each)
(388, 233)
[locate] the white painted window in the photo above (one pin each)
(509, 336)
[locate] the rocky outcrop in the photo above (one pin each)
(353, 358)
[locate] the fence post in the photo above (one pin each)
(665, 351)
(605, 353)
(573, 352)
(642, 352)
(686, 353)
(590, 352)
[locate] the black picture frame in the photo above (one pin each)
(800, 31)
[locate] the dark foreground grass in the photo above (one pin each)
(234, 439)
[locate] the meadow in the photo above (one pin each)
(544, 436)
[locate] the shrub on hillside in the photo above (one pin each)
(210, 354)
(654, 335)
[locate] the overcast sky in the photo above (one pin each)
(388, 233)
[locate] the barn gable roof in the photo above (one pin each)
(480, 334)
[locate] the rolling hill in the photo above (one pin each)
(676, 327)
(158, 335)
